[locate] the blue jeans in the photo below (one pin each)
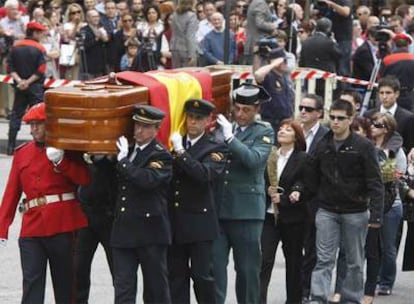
(350, 231)
(388, 237)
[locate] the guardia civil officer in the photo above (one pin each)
(241, 197)
(192, 212)
(141, 230)
(48, 177)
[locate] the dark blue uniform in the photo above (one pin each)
(281, 103)
(141, 230)
(26, 58)
(194, 220)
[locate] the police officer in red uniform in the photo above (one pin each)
(192, 210)
(26, 63)
(48, 177)
(141, 230)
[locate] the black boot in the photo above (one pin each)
(11, 143)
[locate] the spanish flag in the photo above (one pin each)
(168, 91)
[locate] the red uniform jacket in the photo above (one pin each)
(36, 176)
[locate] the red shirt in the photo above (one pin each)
(34, 175)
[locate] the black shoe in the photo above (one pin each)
(10, 150)
(384, 291)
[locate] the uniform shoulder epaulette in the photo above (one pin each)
(159, 147)
(213, 139)
(21, 146)
(264, 123)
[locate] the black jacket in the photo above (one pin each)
(192, 209)
(320, 52)
(292, 179)
(348, 180)
(141, 213)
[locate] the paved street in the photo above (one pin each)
(102, 291)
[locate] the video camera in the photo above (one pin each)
(320, 5)
(265, 45)
(382, 38)
(80, 39)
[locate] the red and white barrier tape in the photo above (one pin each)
(301, 73)
(49, 83)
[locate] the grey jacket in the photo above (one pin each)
(184, 28)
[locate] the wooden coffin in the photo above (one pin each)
(91, 117)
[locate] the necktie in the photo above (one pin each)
(238, 130)
(188, 144)
(135, 154)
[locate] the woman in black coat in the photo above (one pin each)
(287, 200)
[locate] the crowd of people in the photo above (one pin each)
(334, 191)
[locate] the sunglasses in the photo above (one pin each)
(200, 11)
(338, 118)
(363, 13)
(241, 6)
(75, 12)
(307, 109)
(378, 125)
(127, 20)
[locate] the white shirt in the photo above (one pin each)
(310, 135)
(390, 110)
(281, 164)
(134, 153)
(194, 140)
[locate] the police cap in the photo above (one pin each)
(199, 106)
(250, 94)
(147, 114)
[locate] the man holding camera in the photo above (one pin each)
(259, 25)
(273, 77)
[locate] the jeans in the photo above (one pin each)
(388, 236)
(333, 229)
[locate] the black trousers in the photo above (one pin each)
(193, 260)
(88, 240)
(309, 258)
(23, 100)
(291, 235)
(153, 261)
(35, 253)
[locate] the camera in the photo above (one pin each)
(265, 45)
(321, 6)
(80, 39)
(382, 36)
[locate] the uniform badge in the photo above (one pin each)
(196, 104)
(266, 139)
(278, 85)
(142, 111)
(217, 156)
(156, 164)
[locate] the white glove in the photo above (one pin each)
(122, 144)
(177, 141)
(54, 155)
(3, 242)
(226, 126)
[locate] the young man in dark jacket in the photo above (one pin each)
(346, 173)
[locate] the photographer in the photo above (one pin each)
(339, 12)
(259, 24)
(274, 79)
(95, 38)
